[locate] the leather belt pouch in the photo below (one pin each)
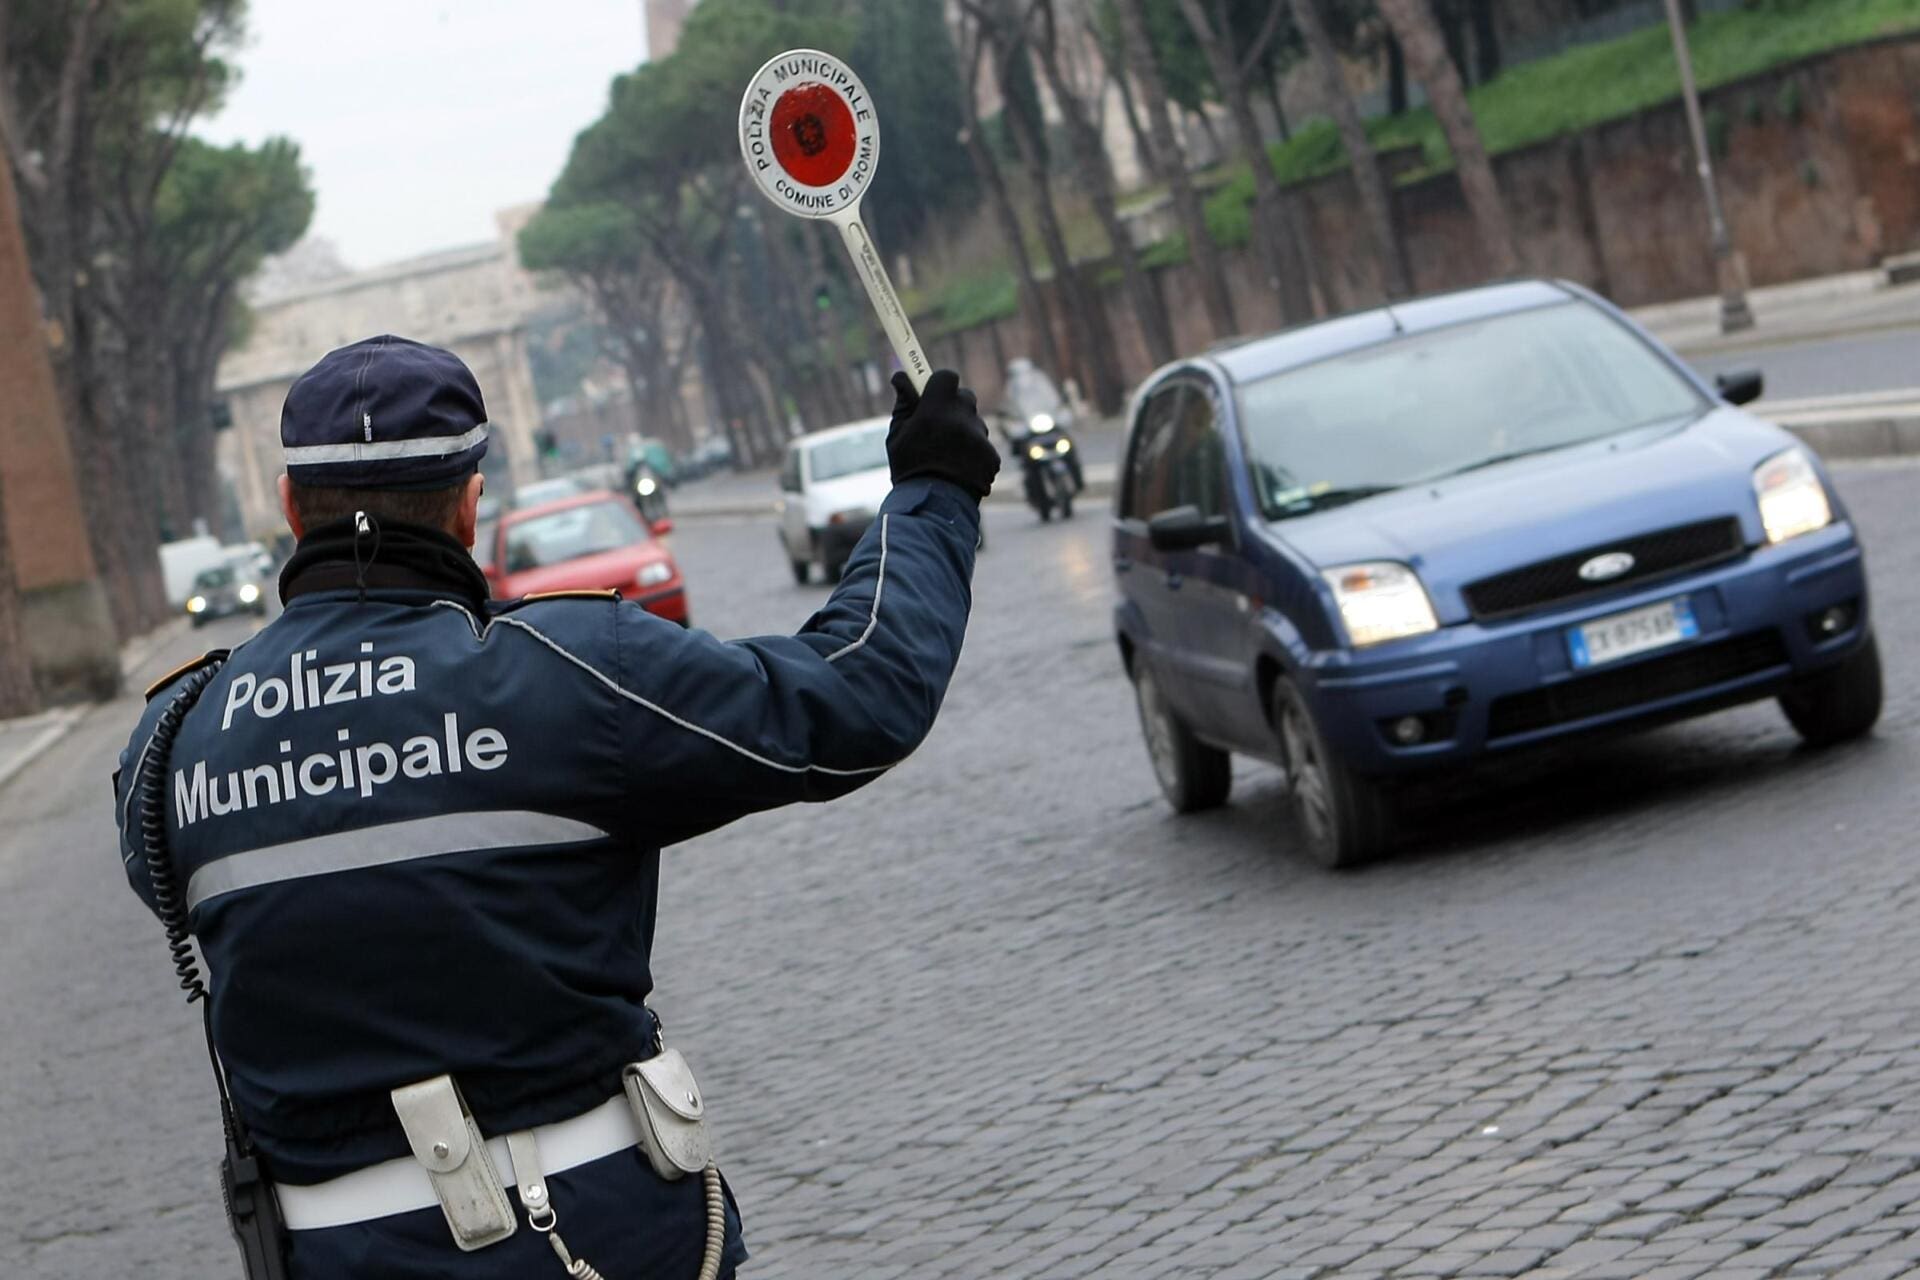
(672, 1117)
(448, 1145)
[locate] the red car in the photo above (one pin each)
(591, 542)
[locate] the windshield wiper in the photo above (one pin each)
(1308, 503)
(1497, 459)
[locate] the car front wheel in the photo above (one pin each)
(1840, 703)
(802, 570)
(1343, 818)
(1192, 775)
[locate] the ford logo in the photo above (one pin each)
(1609, 565)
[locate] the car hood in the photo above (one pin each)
(859, 491)
(1462, 529)
(615, 569)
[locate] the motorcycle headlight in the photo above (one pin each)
(1380, 600)
(1063, 444)
(1792, 499)
(1041, 423)
(646, 486)
(652, 575)
(248, 593)
(197, 604)
(1037, 452)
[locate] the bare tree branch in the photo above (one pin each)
(1258, 48)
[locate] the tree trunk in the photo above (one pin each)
(1091, 155)
(1272, 82)
(1486, 40)
(1396, 78)
(1413, 24)
(1169, 162)
(1276, 241)
(17, 694)
(1033, 305)
(1093, 357)
(1375, 200)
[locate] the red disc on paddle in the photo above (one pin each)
(813, 134)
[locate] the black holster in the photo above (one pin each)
(253, 1215)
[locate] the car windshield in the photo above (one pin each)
(844, 455)
(1436, 404)
(541, 492)
(560, 536)
(212, 579)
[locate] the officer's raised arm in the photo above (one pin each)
(713, 730)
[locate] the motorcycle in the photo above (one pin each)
(649, 494)
(1049, 466)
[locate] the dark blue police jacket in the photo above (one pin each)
(420, 833)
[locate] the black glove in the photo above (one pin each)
(938, 432)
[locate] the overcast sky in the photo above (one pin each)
(419, 118)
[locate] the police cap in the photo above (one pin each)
(384, 413)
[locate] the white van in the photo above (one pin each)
(832, 484)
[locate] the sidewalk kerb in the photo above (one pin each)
(60, 722)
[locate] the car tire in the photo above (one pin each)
(1840, 703)
(802, 570)
(834, 570)
(1192, 775)
(1343, 818)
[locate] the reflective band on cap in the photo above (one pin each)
(383, 846)
(308, 455)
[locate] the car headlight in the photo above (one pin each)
(1036, 452)
(645, 486)
(248, 593)
(1380, 600)
(197, 604)
(1792, 499)
(652, 575)
(1063, 445)
(1041, 423)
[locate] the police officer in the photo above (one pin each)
(417, 835)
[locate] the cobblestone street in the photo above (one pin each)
(1648, 1007)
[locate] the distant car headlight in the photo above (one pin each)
(197, 604)
(1380, 600)
(1792, 499)
(1037, 452)
(652, 575)
(1041, 423)
(248, 593)
(1063, 445)
(646, 486)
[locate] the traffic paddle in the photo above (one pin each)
(811, 140)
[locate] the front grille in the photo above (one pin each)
(1556, 581)
(1635, 685)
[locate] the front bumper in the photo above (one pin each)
(1480, 688)
(670, 604)
(837, 541)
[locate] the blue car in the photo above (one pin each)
(1423, 535)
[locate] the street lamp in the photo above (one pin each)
(1730, 267)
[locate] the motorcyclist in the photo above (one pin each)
(1035, 406)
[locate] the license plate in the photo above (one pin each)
(1625, 634)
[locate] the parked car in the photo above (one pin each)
(184, 560)
(832, 483)
(1421, 536)
(589, 542)
(224, 590)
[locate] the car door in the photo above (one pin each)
(1216, 585)
(793, 508)
(1154, 580)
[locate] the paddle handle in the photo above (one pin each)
(886, 303)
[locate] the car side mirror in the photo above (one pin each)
(661, 527)
(1740, 386)
(1184, 529)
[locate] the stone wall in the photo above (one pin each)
(1818, 164)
